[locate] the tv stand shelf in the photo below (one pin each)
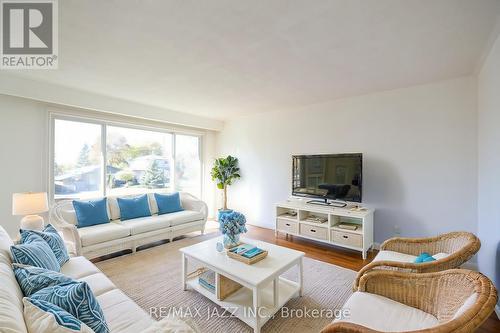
(299, 218)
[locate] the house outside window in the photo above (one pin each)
(95, 158)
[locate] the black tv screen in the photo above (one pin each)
(335, 177)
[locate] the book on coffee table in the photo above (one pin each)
(247, 253)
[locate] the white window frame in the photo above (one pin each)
(68, 116)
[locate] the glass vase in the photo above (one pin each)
(231, 240)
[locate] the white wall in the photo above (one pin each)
(24, 152)
(419, 147)
(489, 165)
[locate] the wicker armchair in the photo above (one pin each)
(460, 247)
(441, 294)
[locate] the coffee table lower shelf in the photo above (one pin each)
(240, 303)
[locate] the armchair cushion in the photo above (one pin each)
(385, 315)
(384, 255)
(469, 302)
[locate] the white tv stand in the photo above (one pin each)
(328, 232)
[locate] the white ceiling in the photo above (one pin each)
(224, 58)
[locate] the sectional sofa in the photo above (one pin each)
(98, 240)
(121, 313)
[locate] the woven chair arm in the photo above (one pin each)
(412, 246)
(459, 245)
(391, 265)
(437, 293)
(440, 294)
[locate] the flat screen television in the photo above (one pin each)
(329, 177)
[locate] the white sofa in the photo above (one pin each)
(120, 312)
(99, 240)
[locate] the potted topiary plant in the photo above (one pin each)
(224, 172)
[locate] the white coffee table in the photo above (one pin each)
(264, 292)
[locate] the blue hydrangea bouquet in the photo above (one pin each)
(231, 225)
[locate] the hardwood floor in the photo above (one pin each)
(337, 256)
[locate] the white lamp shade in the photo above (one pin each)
(29, 203)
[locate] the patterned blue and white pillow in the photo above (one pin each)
(34, 251)
(32, 279)
(42, 316)
(55, 241)
(77, 299)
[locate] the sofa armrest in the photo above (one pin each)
(69, 231)
(190, 202)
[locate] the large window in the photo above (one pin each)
(96, 158)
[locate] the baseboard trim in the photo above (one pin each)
(497, 310)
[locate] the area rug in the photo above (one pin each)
(152, 278)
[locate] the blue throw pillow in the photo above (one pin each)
(55, 241)
(77, 299)
(424, 257)
(132, 208)
(91, 212)
(34, 251)
(168, 203)
(32, 279)
(62, 317)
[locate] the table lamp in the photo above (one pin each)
(30, 204)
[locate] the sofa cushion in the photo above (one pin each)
(55, 241)
(99, 283)
(168, 203)
(384, 314)
(91, 212)
(183, 217)
(132, 208)
(79, 267)
(145, 224)
(101, 233)
(122, 314)
(77, 299)
(11, 305)
(32, 279)
(34, 251)
(41, 316)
